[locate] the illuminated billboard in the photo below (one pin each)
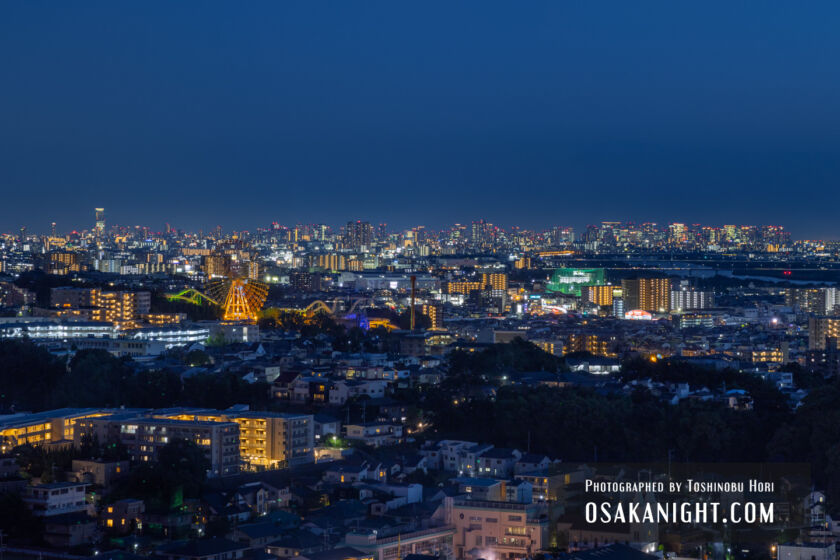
(638, 315)
(569, 281)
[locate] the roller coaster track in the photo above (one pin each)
(192, 296)
(318, 306)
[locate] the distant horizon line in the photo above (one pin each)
(335, 226)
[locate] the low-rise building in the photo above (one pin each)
(123, 516)
(56, 498)
(375, 434)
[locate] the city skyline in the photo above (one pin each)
(544, 114)
(54, 228)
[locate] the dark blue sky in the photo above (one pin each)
(530, 113)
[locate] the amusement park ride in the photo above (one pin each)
(241, 299)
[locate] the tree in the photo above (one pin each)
(17, 522)
(196, 358)
(96, 378)
(28, 375)
(179, 471)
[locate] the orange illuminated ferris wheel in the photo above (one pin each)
(240, 298)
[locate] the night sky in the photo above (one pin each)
(528, 113)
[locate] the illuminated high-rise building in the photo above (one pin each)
(823, 333)
(494, 280)
(358, 235)
(479, 232)
(217, 265)
(332, 261)
(561, 236)
(462, 287)
(99, 216)
(122, 308)
(684, 298)
(821, 301)
(253, 270)
(434, 311)
(599, 295)
(649, 294)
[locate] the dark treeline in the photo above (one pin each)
(33, 379)
(583, 424)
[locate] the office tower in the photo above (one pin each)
(479, 233)
(99, 215)
(52, 229)
(823, 333)
(649, 294)
(562, 236)
(358, 235)
(677, 233)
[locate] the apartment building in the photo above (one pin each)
(507, 529)
(268, 440)
(41, 428)
(145, 436)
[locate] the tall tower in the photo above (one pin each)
(359, 235)
(99, 214)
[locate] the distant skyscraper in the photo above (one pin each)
(52, 229)
(359, 235)
(99, 214)
(479, 233)
(562, 236)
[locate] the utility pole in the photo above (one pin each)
(413, 291)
